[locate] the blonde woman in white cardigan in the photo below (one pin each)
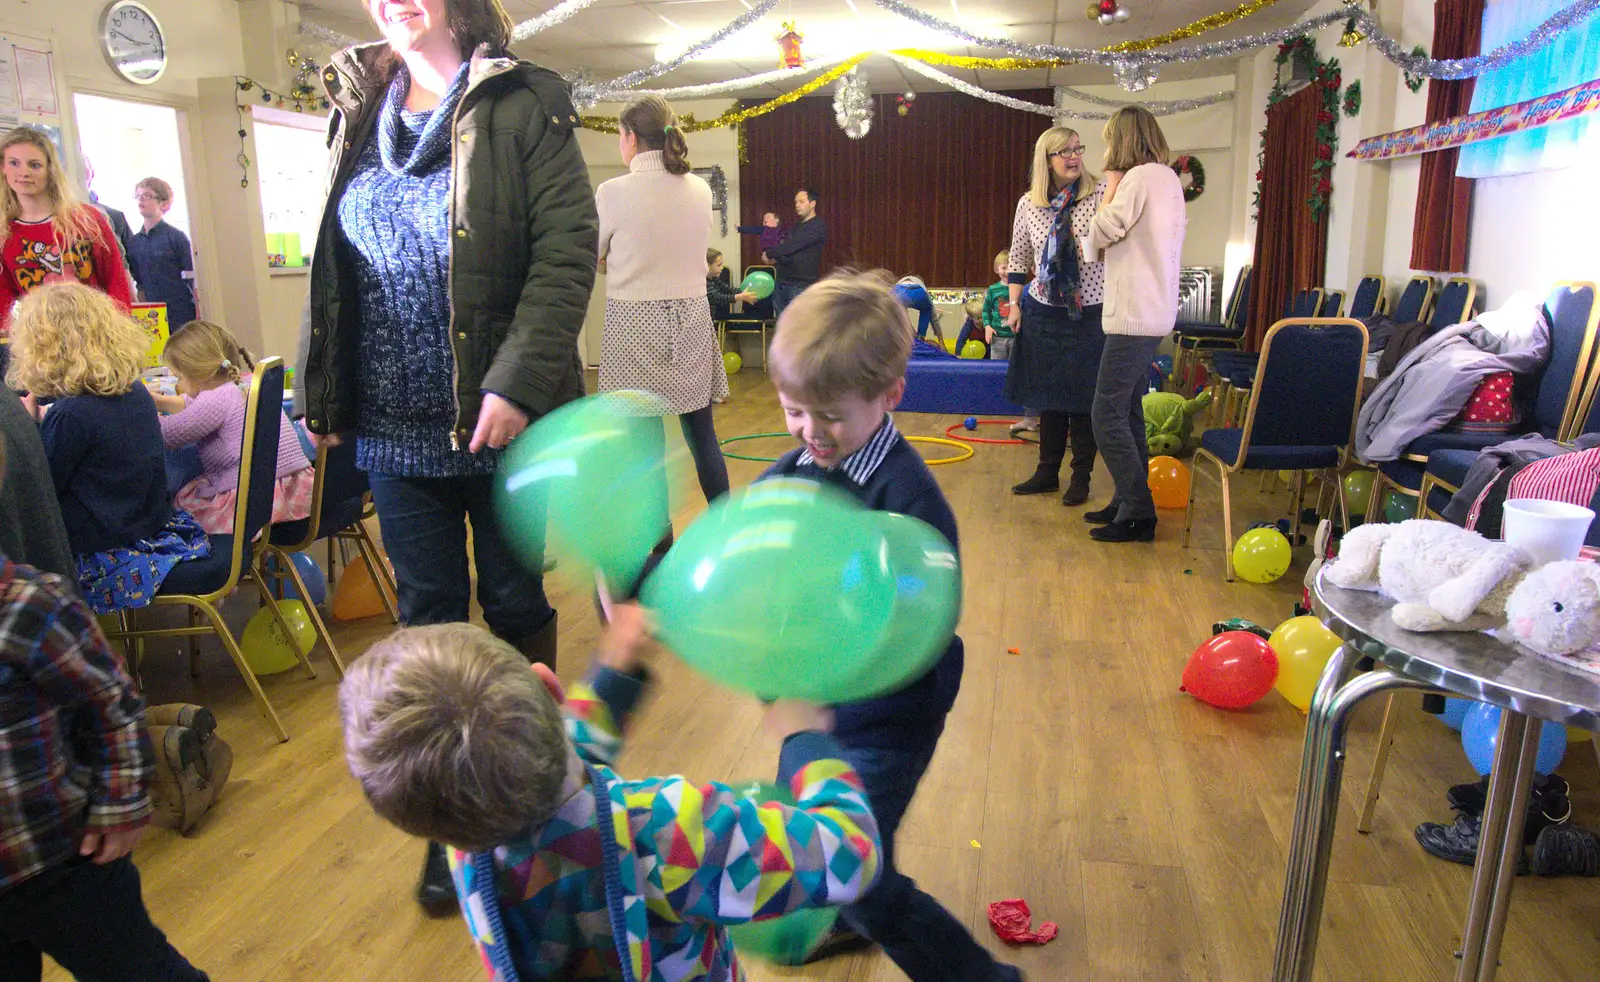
(1140, 227)
(655, 228)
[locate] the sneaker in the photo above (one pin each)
(1458, 842)
(1566, 850)
(1469, 798)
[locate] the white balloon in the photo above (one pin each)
(1106, 20)
(1121, 14)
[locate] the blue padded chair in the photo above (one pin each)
(1237, 369)
(1301, 416)
(1332, 304)
(1565, 406)
(1191, 339)
(201, 584)
(1415, 300)
(756, 317)
(1371, 297)
(1454, 303)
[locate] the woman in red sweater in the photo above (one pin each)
(46, 234)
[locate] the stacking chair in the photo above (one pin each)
(757, 317)
(1371, 297)
(1572, 311)
(1332, 304)
(1192, 338)
(1454, 303)
(1415, 300)
(1236, 370)
(1301, 415)
(201, 584)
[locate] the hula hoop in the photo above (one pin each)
(968, 451)
(753, 436)
(978, 439)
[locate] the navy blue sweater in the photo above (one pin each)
(109, 467)
(799, 255)
(902, 483)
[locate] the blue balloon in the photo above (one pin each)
(1455, 712)
(316, 580)
(1481, 729)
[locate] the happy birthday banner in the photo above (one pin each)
(1458, 131)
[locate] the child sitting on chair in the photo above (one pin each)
(564, 869)
(102, 437)
(720, 295)
(839, 361)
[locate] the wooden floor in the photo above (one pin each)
(1074, 774)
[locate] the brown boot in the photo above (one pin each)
(197, 718)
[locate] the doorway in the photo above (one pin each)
(122, 143)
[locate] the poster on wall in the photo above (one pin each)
(36, 81)
(10, 108)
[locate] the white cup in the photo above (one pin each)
(1547, 530)
(1087, 250)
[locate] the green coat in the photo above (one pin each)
(522, 261)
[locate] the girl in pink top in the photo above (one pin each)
(213, 372)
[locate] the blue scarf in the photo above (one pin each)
(434, 143)
(1058, 267)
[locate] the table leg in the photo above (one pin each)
(1499, 846)
(1317, 807)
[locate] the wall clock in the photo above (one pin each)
(131, 38)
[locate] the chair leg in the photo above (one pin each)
(130, 650)
(311, 609)
(380, 571)
(1227, 526)
(1188, 509)
(1380, 760)
(260, 577)
(194, 645)
(1374, 510)
(226, 637)
(1299, 499)
(1180, 363)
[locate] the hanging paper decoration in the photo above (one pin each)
(1134, 74)
(852, 105)
(789, 46)
(1457, 131)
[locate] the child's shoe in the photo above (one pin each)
(1469, 799)
(1028, 424)
(1564, 849)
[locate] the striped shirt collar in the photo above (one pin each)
(861, 465)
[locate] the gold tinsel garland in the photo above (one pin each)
(1195, 29)
(736, 116)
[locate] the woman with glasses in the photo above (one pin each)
(1055, 312)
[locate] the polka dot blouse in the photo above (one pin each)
(1032, 228)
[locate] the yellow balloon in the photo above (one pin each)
(1303, 647)
(1261, 555)
(1577, 734)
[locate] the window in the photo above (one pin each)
(291, 159)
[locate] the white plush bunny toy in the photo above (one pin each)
(1445, 578)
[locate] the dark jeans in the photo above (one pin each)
(783, 292)
(1119, 422)
(424, 523)
(701, 436)
(922, 938)
(91, 919)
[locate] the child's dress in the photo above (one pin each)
(214, 420)
(105, 457)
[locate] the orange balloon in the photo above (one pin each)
(357, 596)
(1169, 482)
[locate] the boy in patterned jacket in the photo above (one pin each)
(564, 869)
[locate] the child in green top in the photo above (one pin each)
(994, 319)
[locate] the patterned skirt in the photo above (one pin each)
(291, 501)
(129, 576)
(668, 347)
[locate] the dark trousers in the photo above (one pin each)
(424, 523)
(91, 919)
(922, 938)
(1119, 422)
(783, 293)
(1054, 429)
(701, 435)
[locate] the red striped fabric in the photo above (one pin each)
(1569, 477)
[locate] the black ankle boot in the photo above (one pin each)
(1133, 530)
(1102, 516)
(540, 646)
(1042, 482)
(1078, 491)
(436, 891)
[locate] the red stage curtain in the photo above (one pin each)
(1291, 243)
(1443, 222)
(929, 194)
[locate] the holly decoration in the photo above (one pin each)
(1190, 165)
(1352, 99)
(1416, 82)
(1325, 77)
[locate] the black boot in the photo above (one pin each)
(540, 646)
(1133, 530)
(1052, 448)
(436, 891)
(1043, 481)
(1083, 453)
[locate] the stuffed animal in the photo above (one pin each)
(1169, 421)
(1446, 578)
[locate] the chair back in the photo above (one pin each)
(1307, 384)
(258, 459)
(1414, 299)
(1241, 311)
(1454, 304)
(1572, 313)
(1332, 304)
(1371, 297)
(760, 310)
(1241, 289)
(340, 486)
(1304, 303)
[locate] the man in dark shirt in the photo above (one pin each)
(799, 256)
(160, 257)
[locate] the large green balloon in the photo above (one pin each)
(758, 282)
(789, 589)
(785, 940)
(589, 473)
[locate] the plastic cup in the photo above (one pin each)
(1548, 531)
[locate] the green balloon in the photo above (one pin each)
(586, 474)
(927, 575)
(758, 282)
(1399, 507)
(780, 590)
(788, 939)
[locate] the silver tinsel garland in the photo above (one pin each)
(1164, 108)
(550, 18)
(1446, 68)
(738, 24)
(331, 38)
(608, 93)
(1134, 74)
(960, 85)
(852, 105)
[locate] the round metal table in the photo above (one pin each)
(1528, 687)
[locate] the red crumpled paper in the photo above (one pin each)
(1013, 922)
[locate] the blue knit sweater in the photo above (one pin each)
(395, 218)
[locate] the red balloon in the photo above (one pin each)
(1108, 6)
(1231, 670)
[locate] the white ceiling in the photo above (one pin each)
(613, 37)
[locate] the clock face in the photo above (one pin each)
(133, 42)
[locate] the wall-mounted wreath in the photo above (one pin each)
(1189, 164)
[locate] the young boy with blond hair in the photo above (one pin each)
(839, 362)
(564, 869)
